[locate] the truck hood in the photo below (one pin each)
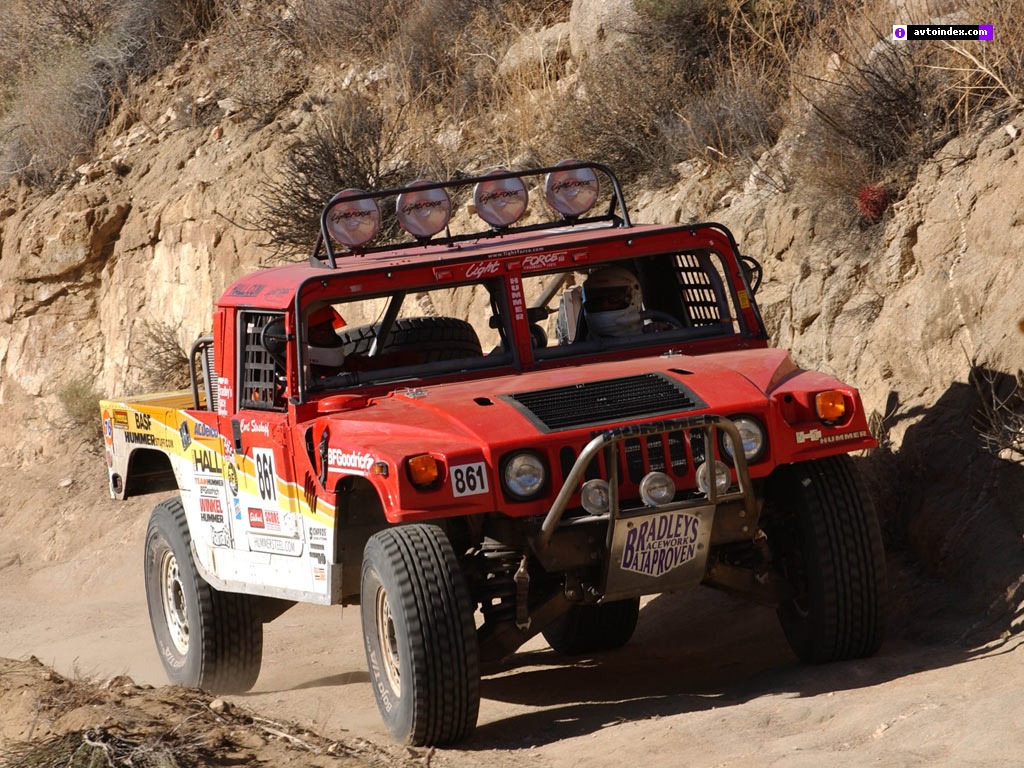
(493, 414)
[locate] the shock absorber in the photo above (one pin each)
(498, 585)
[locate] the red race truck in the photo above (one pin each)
(482, 433)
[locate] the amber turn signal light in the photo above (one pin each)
(830, 405)
(423, 470)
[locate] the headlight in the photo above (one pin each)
(524, 475)
(751, 436)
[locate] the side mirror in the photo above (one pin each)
(275, 340)
(753, 271)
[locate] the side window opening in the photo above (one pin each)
(261, 376)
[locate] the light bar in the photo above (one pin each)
(354, 222)
(502, 202)
(423, 212)
(572, 193)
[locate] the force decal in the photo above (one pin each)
(660, 543)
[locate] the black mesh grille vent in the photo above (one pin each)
(604, 402)
(257, 366)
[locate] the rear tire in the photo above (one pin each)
(825, 537)
(421, 646)
(206, 638)
(593, 628)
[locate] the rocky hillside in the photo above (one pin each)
(918, 306)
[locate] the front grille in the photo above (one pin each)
(606, 402)
(636, 456)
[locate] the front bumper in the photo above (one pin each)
(648, 549)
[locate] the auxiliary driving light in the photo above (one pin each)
(500, 202)
(595, 497)
(751, 438)
(423, 212)
(353, 222)
(722, 479)
(572, 193)
(657, 489)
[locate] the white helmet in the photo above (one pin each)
(611, 303)
(325, 347)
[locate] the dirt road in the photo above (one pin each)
(706, 681)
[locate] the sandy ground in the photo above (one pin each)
(707, 680)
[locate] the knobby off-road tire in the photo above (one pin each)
(593, 628)
(829, 545)
(421, 645)
(435, 338)
(206, 638)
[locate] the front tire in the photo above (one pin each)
(206, 638)
(587, 629)
(421, 646)
(825, 537)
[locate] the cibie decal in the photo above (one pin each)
(339, 459)
(660, 543)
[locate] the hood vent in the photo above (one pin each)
(606, 402)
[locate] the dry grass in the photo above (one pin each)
(68, 68)
(877, 109)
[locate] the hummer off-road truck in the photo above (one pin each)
(483, 433)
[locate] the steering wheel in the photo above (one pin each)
(663, 317)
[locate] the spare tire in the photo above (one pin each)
(435, 338)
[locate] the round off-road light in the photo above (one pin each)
(657, 489)
(722, 479)
(524, 475)
(353, 222)
(572, 193)
(751, 436)
(423, 212)
(595, 497)
(500, 202)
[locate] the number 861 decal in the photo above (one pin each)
(469, 479)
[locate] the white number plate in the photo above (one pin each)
(469, 479)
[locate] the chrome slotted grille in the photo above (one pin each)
(636, 456)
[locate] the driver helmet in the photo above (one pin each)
(611, 302)
(324, 347)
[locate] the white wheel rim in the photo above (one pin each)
(173, 598)
(388, 641)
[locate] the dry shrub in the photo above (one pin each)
(736, 117)
(882, 107)
(624, 113)
(357, 144)
(259, 62)
(81, 57)
(80, 400)
(162, 362)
